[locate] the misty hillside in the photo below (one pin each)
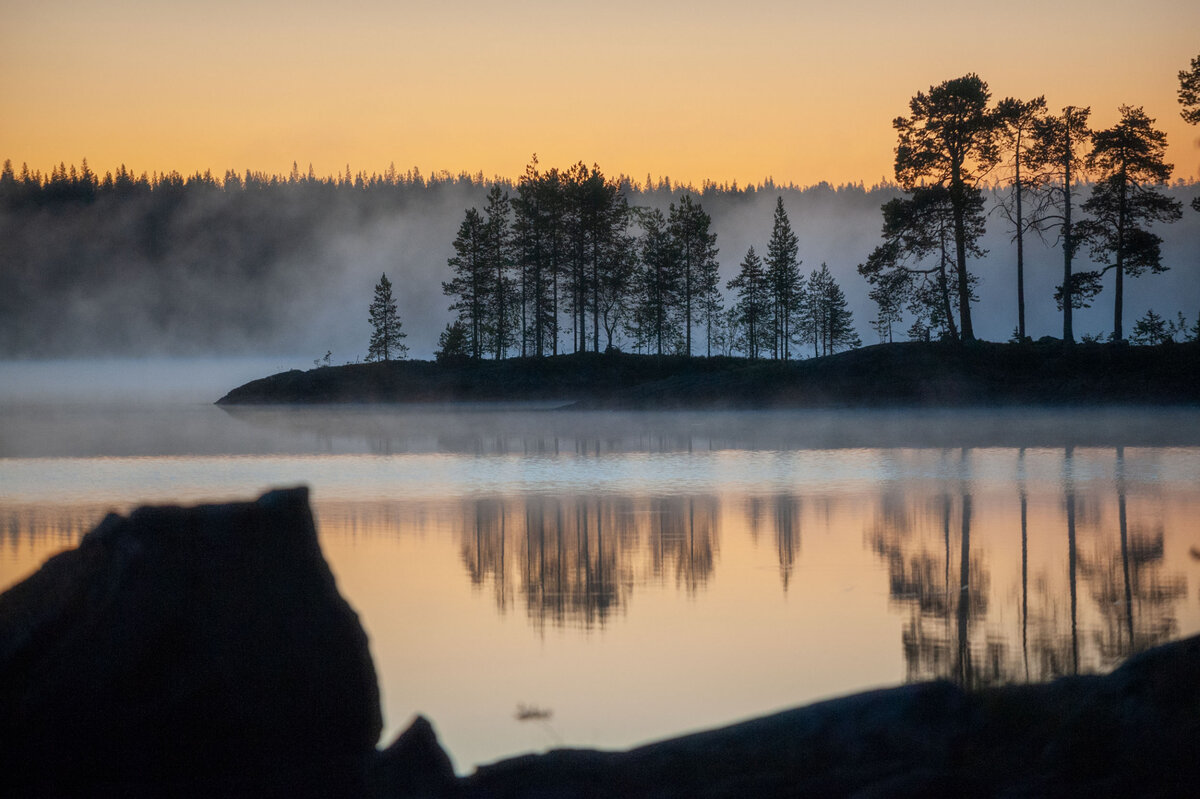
(204, 266)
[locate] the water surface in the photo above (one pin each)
(642, 575)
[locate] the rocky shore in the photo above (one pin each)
(206, 651)
(903, 375)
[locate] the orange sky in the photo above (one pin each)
(799, 91)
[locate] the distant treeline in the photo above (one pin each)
(68, 183)
(136, 264)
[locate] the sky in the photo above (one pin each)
(800, 92)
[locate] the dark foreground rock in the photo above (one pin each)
(187, 651)
(207, 652)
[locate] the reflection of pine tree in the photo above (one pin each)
(1135, 599)
(787, 534)
(936, 639)
(683, 539)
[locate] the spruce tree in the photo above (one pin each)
(753, 302)
(473, 280)
(829, 323)
(783, 277)
(386, 335)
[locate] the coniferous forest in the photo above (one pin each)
(1005, 220)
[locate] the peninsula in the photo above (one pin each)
(911, 374)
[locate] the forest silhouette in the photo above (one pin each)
(571, 260)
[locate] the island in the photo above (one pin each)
(909, 374)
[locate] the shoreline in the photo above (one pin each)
(904, 375)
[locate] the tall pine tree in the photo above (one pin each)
(386, 336)
(784, 280)
(1128, 161)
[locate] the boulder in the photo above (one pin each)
(199, 651)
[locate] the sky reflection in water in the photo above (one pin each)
(646, 574)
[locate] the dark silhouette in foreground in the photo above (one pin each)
(206, 652)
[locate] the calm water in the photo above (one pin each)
(641, 575)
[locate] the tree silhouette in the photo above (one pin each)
(753, 301)
(657, 283)
(473, 282)
(1018, 119)
(497, 251)
(950, 141)
(696, 245)
(1189, 93)
(916, 228)
(452, 344)
(386, 335)
(1128, 158)
(1058, 150)
(783, 277)
(1189, 100)
(829, 323)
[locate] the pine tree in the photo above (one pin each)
(696, 246)
(657, 284)
(783, 277)
(1018, 120)
(829, 323)
(473, 280)
(950, 141)
(1127, 197)
(1058, 151)
(753, 302)
(386, 335)
(1189, 100)
(498, 257)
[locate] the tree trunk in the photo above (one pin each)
(957, 201)
(1119, 292)
(1068, 240)
(1020, 250)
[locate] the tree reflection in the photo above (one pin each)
(683, 539)
(937, 571)
(571, 560)
(1136, 600)
(787, 534)
(485, 550)
(936, 639)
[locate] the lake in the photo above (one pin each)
(640, 575)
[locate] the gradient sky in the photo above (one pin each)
(799, 91)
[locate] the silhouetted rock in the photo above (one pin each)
(195, 651)
(415, 765)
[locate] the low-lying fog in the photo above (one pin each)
(164, 407)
